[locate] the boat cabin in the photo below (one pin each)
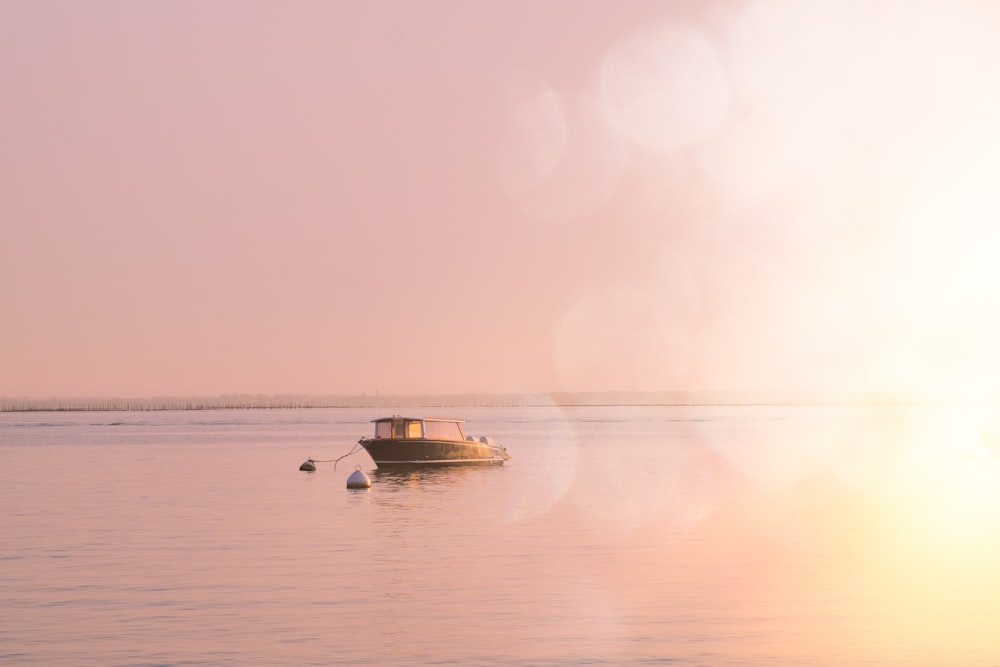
(413, 428)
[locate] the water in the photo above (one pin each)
(619, 535)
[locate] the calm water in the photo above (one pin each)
(637, 535)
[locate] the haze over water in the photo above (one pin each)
(451, 197)
(722, 535)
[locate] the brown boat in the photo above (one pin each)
(419, 441)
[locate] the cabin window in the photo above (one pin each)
(413, 430)
(443, 430)
(397, 428)
(383, 430)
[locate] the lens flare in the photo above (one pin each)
(561, 160)
(665, 89)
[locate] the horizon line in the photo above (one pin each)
(623, 398)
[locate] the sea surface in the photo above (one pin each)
(712, 535)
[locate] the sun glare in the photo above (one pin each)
(948, 487)
(951, 240)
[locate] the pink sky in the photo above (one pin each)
(437, 197)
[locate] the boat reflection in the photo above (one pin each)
(422, 475)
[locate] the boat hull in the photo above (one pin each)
(388, 452)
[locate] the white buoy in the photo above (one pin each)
(308, 466)
(358, 480)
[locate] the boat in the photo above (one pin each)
(423, 441)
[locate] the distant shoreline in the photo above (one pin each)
(377, 401)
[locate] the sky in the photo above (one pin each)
(448, 196)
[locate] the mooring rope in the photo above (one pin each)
(336, 460)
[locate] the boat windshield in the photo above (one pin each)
(383, 429)
(443, 430)
(398, 428)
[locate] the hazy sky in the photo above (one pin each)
(450, 196)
